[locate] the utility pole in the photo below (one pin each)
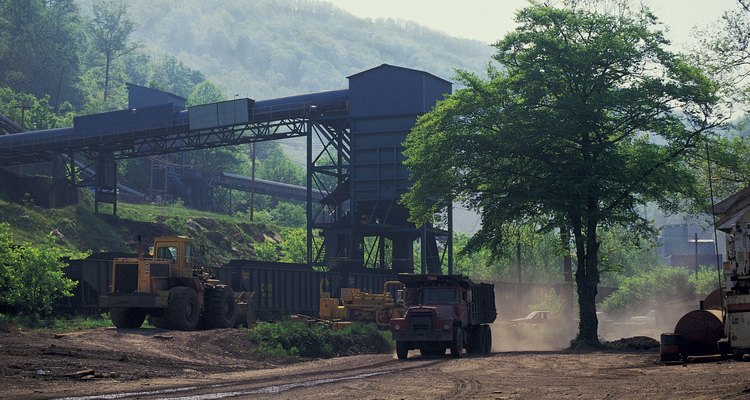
(24, 106)
(696, 254)
(252, 180)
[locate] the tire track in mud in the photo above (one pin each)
(262, 385)
(463, 388)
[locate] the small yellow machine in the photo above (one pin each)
(358, 305)
(173, 290)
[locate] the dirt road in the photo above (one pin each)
(223, 364)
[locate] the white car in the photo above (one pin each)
(535, 317)
(649, 318)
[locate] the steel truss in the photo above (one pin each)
(328, 191)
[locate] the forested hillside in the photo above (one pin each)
(271, 48)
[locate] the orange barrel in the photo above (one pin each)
(670, 347)
(699, 331)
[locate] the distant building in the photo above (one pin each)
(688, 245)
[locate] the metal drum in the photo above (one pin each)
(670, 347)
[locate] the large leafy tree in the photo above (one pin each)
(109, 30)
(39, 48)
(725, 51)
(589, 116)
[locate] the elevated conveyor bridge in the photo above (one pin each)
(355, 171)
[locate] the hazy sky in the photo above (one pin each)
(489, 20)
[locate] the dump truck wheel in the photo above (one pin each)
(458, 342)
(183, 311)
(480, 340)
(402, 350)
(220, 308)
(127, 317)
(474, 342)
(487, 339)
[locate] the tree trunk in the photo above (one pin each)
(106, 79)
(567, 291)
(587, 280)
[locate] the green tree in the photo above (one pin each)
(288, 214)
(266, 251)
(275, 166)
(109, 31)
(294, 245)
(725, 52)
(641, 292)
(31, 277)
(39, 48)
(172, 75)
(589, 117)
(705, 281)
(30, 112)
(206, 92)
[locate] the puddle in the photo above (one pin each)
(131, 394)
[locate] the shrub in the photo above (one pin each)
(31, 277)
(292, 338)
(643, 291)
(705, 281)
(75, 323)
(296, 338)
(266, 251)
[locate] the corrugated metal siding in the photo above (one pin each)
(388, 90)
(224, 113)
(141, 96)
(334, 101)
(385, 102)
(139, 119)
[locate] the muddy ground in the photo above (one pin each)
(225, 364)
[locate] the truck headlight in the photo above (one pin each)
(397, 327)
(446, 326)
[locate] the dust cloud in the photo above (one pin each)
(511, 332)
(509, 336)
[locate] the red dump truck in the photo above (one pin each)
(444, 311)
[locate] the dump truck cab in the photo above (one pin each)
(444, 311)
(173, 289)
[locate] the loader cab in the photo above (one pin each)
(178, 250)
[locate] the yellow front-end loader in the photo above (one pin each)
(173, 290)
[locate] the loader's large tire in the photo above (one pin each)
(220, 308)
(183, 311)
(127, 317)
(458, 342)
(402, 349)
(487, 339)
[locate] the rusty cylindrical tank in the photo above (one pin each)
(699, 331)
(714, 300)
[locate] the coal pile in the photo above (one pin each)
(635, 343)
